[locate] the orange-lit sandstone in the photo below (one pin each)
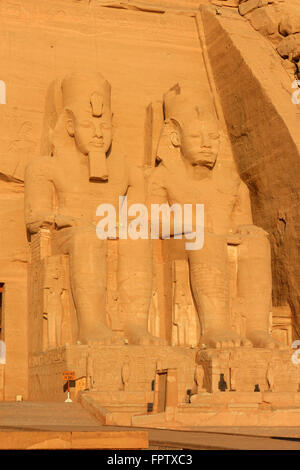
(164, 102)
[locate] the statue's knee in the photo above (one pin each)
(252, 232)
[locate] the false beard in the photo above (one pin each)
(98, 166)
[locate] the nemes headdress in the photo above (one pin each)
(184, 107)
(90, 92)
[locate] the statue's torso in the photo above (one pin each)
(218, 194)
(78, 197)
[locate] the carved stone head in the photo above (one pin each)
(86, 100)
(194, 128)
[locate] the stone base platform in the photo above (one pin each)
(264, 399)
(259, 387)
(119, 374)
(214, 409)
(248, 370)
(229, 409)
(235, 415)
(174, 387)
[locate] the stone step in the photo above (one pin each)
(36, 414)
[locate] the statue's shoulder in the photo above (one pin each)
(159, 174)
(40, 166)
(226, 179)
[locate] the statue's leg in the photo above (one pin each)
(210, 287)
(254, 284)
(135, 289)
(87, 261)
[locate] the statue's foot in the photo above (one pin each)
(223, 338)
(100, 334)
(262, 339)
(138, 335)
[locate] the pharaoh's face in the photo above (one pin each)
(91, 133)
(200, 142)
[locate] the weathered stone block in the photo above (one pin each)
(265, 20)
(289, 47)
(250, 5)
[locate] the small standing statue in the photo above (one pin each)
(2, 352)
(184, 317)
(125, 374)
(199, 378)
(270, 375)
(53, 291)
(89, 372)
(154, 318)
(232, 373)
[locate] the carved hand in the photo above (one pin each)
(62, 221)
(42, 220)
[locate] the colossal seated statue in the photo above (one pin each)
(187, 172)
(62, 193)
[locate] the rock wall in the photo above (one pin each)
(263, 124)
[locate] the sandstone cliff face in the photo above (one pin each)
(263, 125)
